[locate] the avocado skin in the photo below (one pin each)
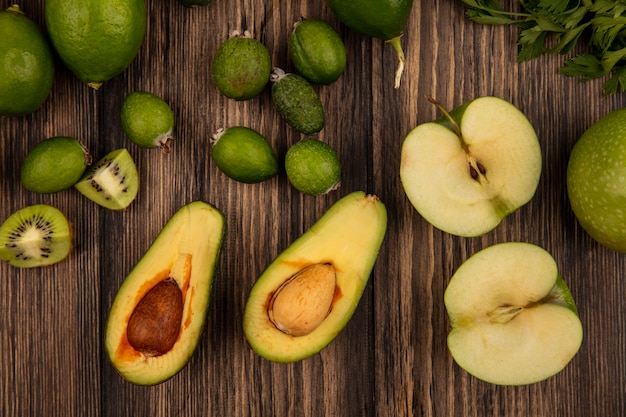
(382, 19)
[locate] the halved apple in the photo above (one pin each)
(513, 318)
(467, 171)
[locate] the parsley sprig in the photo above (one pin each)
(556, 26)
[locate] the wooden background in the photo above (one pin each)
(391, 359)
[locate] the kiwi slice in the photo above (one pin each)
(36, 235)
(112, 182)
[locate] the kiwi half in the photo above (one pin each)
(112, 182)
(36, 235)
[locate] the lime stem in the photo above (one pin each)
(397, 46)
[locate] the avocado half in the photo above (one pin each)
(347, 238)
(184, 257)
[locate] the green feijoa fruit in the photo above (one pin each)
(26, 64)
(313, 167)
(112, 182)
(244, 155)
(241, 67)
(193, 3)
(54, 164)
(36, 235)
(381, 19)
(297, 102)
(317, 51)
(147, 120)
(96, 39)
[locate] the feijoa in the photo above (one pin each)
(382, 19)
(317, 51)
(27, 64)
(244, 155)
(297, 102)
(313, 167)
(54, 164)
(147, 120)
(241, 67)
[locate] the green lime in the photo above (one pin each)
(241, 67)
(26, 64)
(313, 167)
(382, 19)
(244, 155)
(96, 39)
(54, 164)
(147, 120)
(317, 51)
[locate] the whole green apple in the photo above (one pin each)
(596, 180)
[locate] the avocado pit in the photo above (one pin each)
(154, 325)
(301, 303)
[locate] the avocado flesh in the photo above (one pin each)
(186, 250)
(348, 237)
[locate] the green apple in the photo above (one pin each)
(513, 318)
(467, 171)
(596, 180)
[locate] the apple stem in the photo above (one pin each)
(455, 126)
(476, 169)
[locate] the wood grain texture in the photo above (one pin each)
(391, 359)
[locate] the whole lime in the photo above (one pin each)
(244, 155)
(317, 51)
(147, 120)
(96, 39)
(54, 164)
(313, 167)
(26, 64)
(241, 67)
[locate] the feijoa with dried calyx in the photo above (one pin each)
(54, 164)
(244, 155)
(317, 51)
(147, 120)
(313, 167)
(308, 293)
(297, 102)
(27, 70)
(36, 235)
(158, 314)
(112, 182)
(241, 66)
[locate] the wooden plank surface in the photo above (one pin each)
(391, 359)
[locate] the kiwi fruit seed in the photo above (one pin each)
(36, 235)
(112, 182)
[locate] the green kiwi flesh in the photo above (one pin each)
(112, 182)
(36, 235)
